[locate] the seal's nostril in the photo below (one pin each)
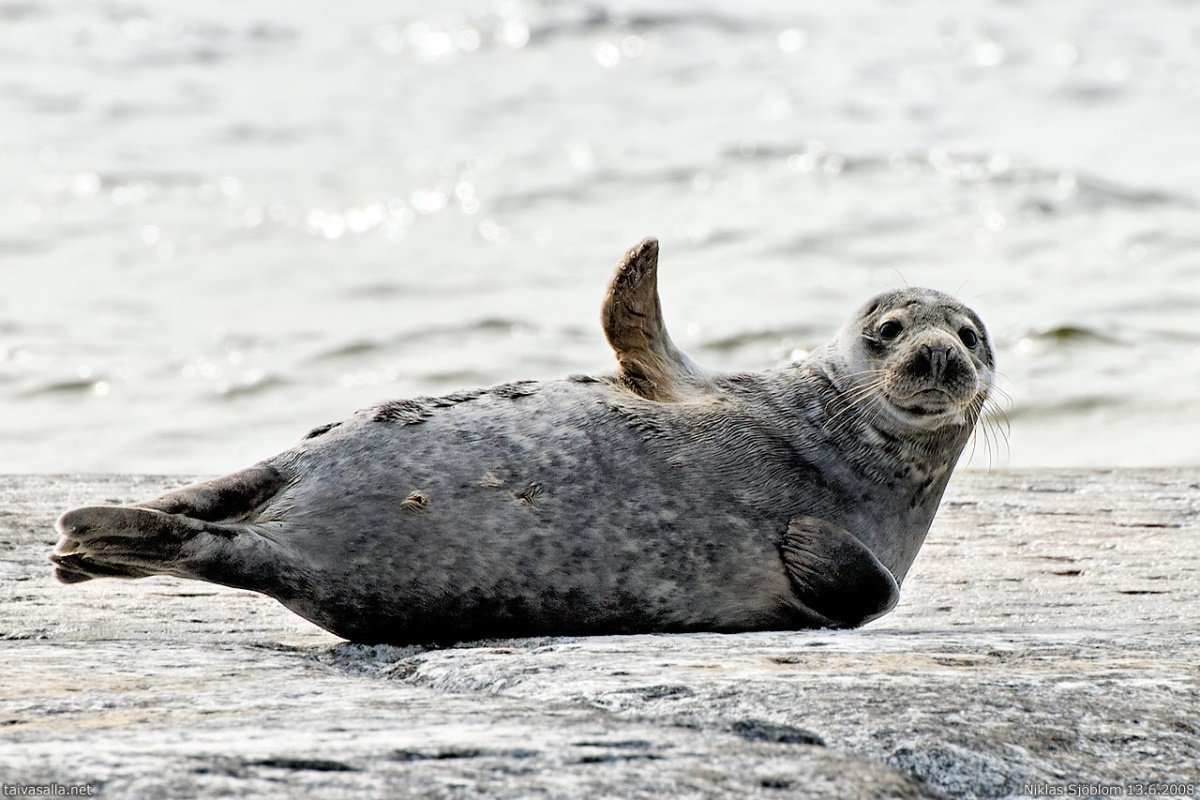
(933, 362)
(957, 369)
(921, 364)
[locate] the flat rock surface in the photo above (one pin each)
(1046, 635)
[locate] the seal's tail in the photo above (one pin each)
(205, 531)
(230, 498)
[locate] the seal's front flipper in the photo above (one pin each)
(651, 364)
(230, 498)
(126, 542)
(835, 575)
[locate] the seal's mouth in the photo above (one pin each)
(927, 401)
(927, 404)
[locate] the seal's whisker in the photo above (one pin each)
(1000, 390)
(857, 395)
(854, 399)
(862, 392)
(979, 429)
(997, 414)
(1004, 394)
(875, 371)
(848, 421)
(994, 449)
(997, 404)
(1006, 454)
(872, 381)
(980, 434)
(998, 420)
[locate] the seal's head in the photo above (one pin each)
(923, 357)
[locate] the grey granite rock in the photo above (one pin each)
(1047, 635)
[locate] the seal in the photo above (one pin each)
(662, 497)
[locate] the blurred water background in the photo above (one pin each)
(224, 223)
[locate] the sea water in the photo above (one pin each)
(222, 224)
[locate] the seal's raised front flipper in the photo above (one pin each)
(200, 531)
(835, 575)
(651, 364)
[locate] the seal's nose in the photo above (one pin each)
(930, 362)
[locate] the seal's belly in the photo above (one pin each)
(503, 523)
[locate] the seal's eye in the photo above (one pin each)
(890, 330)
(968, 336)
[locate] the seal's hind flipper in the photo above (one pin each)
(76, 568)
(651, 364)
(130, 542)
(230, 498)
(835, 575)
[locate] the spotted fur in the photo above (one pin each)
(658, 498)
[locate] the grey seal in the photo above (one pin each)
(662, 497)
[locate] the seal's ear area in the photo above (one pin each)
(230, 498)
(651, 364)
(835, 575)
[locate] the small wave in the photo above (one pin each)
(785, 338)
(156, 179)
(350, 350)
(458, 377)
(250, 388)
(1092, 92)
(269, 134)
(385, 290)
(485, 325)
(363, 347)
(272, 32)
(23, 247)
(1071, 334)
(575, 21)
(1172, 334)
(550, 194)
(1100, 193)
(1058, 189)
(594, 185)
(21, 11)
(1066, 407)
(72, 386)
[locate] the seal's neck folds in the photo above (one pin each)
(905, 470)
